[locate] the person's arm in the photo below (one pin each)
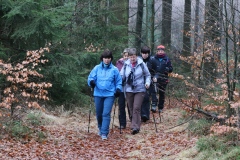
(92, 76)
(119, 64)
(118, 80)
(147, 75)
(169, 64)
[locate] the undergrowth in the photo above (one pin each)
(216, 147)
(30, 127)
(221, 147)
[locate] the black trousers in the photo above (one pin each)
(150, 93)
(161, 92)
(122, 111)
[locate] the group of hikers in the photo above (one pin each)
(135, 79)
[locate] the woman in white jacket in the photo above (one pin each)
(136, 79)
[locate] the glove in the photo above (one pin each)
(117, 93)
(92, 83)
(166, 70)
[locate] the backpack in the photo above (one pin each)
(131, 76)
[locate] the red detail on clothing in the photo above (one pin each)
(161, 47)
(134, 64)
(161, 56)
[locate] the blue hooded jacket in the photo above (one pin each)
(107, 79)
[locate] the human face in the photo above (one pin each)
(160, 52)
(133, 58)
(125, 56)
(145, 55)
(107, 60)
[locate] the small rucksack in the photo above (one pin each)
(131, 76)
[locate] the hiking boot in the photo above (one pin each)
(122, 127)
(160, 109)
(134, 131)
(153, 109)
(104, 137)
(144, 118)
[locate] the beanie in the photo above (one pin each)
(160, 47)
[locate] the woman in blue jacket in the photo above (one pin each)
(107, 83)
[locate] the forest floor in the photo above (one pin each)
(67, 137)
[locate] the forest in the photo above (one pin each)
(49, 47)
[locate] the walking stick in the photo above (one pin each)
(155, 88)
(89, 116)
(154, 122)
(114, 114)
(89, 119)
(160, 117)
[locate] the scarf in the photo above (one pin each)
(134, 64)
(161, 56)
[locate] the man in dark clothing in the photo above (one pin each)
(160, 66)
(145, 109)
(121, 98)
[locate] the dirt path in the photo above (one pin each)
(68, 138)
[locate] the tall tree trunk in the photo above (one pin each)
(122, 14)
(230, 30)
(196, 26)
(138, 36)
(166, 22)
(186, 51)
(150, 23)
(212, 39)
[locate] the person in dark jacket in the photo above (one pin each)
(121, 98)
(107, 83)
(137, 77)
(145, 109)
(160, 66)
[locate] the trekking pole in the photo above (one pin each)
(114, 114)
(154, 122)
(156, 91)
(160, 117)
(89, 116)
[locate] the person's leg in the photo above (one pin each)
(136, 115)
(99, 110)
(130, 99)
(122, 111)
(106, 115)
(162, 88)
(153, 93)
(145, 107)
(129, 115)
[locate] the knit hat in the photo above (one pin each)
(160, 47)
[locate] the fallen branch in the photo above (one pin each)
(209, 115)
(182, 123)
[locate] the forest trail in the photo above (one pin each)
(68, 138)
